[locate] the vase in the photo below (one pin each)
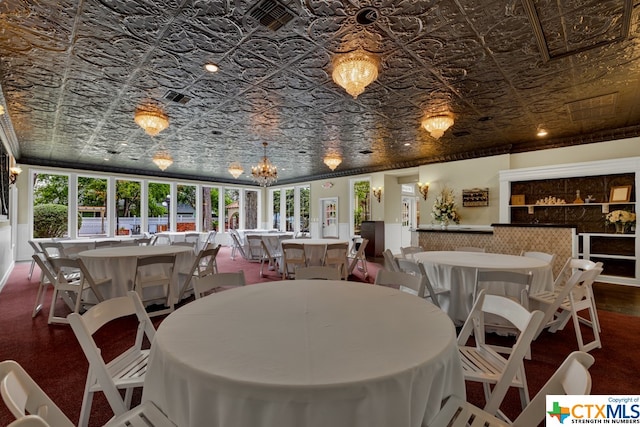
(620, 227)
(444, 224)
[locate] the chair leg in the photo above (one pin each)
(40, 297)
(33, 263)
(87, 400)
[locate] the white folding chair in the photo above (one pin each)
(147, 414)
(358, 256)
(236, 245)
(73, 286)
(481, 363)
(213, 282)
(319, 272)
(24, 397)
(335, 255)
(203, 265)
(36, 250)
(125, 371)
(571, 378)
(156, 271)
(407, 251)
(568, 301)
(404, 281)
(270, 253)
(29, 421)
(52, 249)
(417, 269)
(47, 277)
(161, 240)
(390, 262)
(293, 256)
(254, 243)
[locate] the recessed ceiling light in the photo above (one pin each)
(211, 67)
(541, 132)
(406, 144)
(124, 144)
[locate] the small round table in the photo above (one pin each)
(304, 353)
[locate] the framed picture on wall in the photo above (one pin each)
(620, 193)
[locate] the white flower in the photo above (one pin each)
(444, 208)
(621, 217)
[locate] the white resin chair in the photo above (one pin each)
(482, 363)
(390, 261)
(571, 378)
(404, 281)
(213, 282)
(203, 265)
(357, 256)
(24, 397)
(73, 287)
(29, 421)
(270, 254)
(293, 256)
(156, 271)
(417, 269)
(568, 302)
(125, 371)
(320, 272)
(407, 251)
(335, 255)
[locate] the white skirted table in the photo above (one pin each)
(456, 271)
(304, 353)
(119, 264)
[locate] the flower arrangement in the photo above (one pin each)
(444, 208)
(621, 217)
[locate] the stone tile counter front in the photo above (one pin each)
(503, 238)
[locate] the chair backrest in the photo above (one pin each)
(49, 275)
(336, 253)
(86, 325)
(571, 378)
(390, 261)
(485, 279)
(271, 246)
(52, 249)
(294, 252)
(161, 239)
(63, 265)
(144, 261)
(211, 282)
(203, 265)
(211, 237)
(29, 421)
(192, 237)
(359, 256)
(255, 246)
(35, 246)
(470, 249)
(549, 258)
(143, 241)
(417, 269)
(23, 396)
(235, 238)
(407, 251)
(571, 266)
(318, 272)
(527, 324)
(403, 281)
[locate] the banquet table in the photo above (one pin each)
(314, 248)
(304, 353)
(119, 264)
(456, 271)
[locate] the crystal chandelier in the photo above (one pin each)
(332, 160)
(354, 71)
(235, 169)
(152, 119)
(264, 173)
(438, 124)
(163, 160)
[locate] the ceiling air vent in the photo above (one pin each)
(599, 107)
(174, 96)
(271, 14)
(365, 152)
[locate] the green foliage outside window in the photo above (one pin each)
(50, 220)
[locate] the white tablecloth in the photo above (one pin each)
(304, 353)
(119, 263)
(314, 248)
(456, 271)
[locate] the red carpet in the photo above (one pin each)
(53, 357)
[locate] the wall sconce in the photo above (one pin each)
(423, 189)
(377, 193)
(14, 171)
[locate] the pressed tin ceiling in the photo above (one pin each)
(73, 72)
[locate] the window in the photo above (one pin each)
(92, 207)
(158, 204)
(250, 209)
(50, 205)
(275, 209)
(361, 199)
(186, 208)
(127, 199)
(232, 208)
(304, 209)
(210, 208)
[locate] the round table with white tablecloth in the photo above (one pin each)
(456, 271)
(304, 353)
(119, 264)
